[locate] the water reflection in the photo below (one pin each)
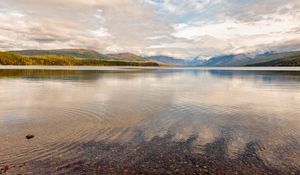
(220, 120)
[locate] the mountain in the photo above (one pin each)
(127, 56)
(287, 60)
(195, 61)
(82, 54)
(228, 60)
(167, 60)
(267, 59)
(271, 56)
(77, 53)
(9, 58)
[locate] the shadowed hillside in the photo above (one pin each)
(286, 61)
(266, 59)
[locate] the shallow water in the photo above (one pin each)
(150, 120)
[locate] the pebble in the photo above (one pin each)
(29, 136)
(4, 169)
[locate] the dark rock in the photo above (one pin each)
(4, 169)
(29, 136)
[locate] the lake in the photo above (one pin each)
(111, 120)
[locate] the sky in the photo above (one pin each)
(179, 28)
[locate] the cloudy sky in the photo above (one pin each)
(181, 28)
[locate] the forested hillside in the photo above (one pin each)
(287, 61)
(7, 58)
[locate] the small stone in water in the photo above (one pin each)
(29, 136)
(4, 169)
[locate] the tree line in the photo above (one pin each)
(7, 58)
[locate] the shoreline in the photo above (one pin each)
(54, 67)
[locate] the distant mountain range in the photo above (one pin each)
(167, 60)
(291, 59)
(228, 60)
(266, 59)
(195, 61)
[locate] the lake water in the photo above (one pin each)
(89, 120)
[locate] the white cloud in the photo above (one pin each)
(173, 27)
(272, 29)
(230, 29)
(101, 32)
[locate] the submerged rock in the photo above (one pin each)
(29, 136)
(4, 169)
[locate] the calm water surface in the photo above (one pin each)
(150, 121)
